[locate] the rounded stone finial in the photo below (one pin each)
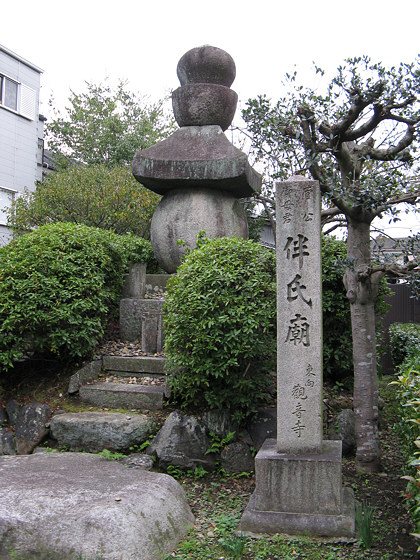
(208, 65)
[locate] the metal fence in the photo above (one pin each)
(404, 309)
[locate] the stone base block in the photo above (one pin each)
(130, 319)
(300, 493)
(124, 395)
(255, 522)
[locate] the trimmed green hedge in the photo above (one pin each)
(220, 326)
(58, 285)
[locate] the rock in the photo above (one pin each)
(342, 428)
(30, 427)
(95, 431)
(7, 442)
(237, 458)
(88, 373)
(138, 461)
(12, 410)
(3, 416)
(67, 505)
(263, 426)
(182, 441)
(220, 422)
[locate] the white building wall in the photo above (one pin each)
(20, 132)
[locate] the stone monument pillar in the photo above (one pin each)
(200, 174)
(298, 477)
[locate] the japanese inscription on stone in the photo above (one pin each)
(299, 316)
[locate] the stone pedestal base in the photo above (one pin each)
(299, 494)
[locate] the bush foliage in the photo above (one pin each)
(96, 196)
(404, 339)
(220, 325)
(58, 285)
(408, 387)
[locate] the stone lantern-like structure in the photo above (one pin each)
(199, 172)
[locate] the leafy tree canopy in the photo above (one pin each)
(359, 139)
(106, 125)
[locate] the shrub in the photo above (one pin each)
(220, 325)
(409, 396)
(336, 321)
(58, 285)
(96, 196)
(404, 339)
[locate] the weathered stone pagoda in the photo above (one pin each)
(199, 172)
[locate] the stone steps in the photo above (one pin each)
(134, 366)
(123, 395)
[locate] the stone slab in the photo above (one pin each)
(123, 395)
(130, 319)
(135, 364)
(62, 506)
(156, 281)
(201, 156)
(135, 281)
(257, 523)
(95, 431)
(87, 373)
(299, 483)
(299, 316)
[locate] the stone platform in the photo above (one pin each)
(300, 494)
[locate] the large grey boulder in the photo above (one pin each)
(95, 431)
(61, 506)
(31, 426)
(182, 441)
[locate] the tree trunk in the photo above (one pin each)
(362, 289)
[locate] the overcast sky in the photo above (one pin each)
(142, 41)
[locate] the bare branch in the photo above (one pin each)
(395, 270)
(390, 153)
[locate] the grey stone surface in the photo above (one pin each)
(255, 522)
(152, 336)
(156, 281)
(236, 458)
(12, 411)
(300, 483)
(135, 281)
(59, 506)
(204, 104)
(3, 416)
(262, 426)
(95, 431)
(134, 364)
(208, 65)
(342, 428)
(183, 213)
(138, 461)
(182, 441)
(87, 373)
(30, 427)
(130, 319)
(196, 156)
(299, 316)
(220, 422)
(7, 442)
(123, 395)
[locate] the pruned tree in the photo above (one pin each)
(106, 126)
(359, 140)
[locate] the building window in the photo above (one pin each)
(7, 196)
(9, 93)
(18, 97)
